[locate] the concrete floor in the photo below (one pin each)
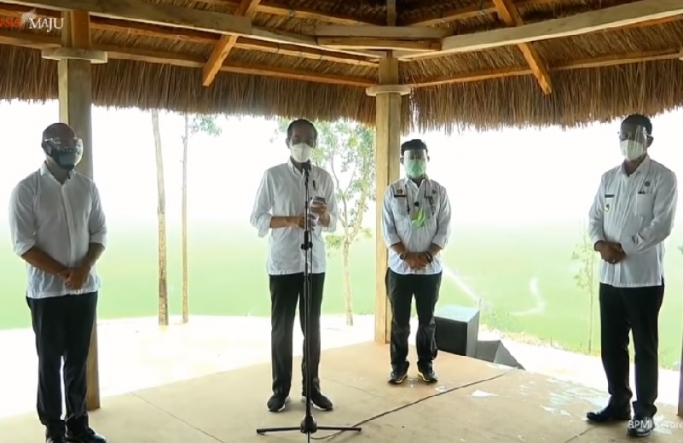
(474, 402)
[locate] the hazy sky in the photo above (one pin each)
(508, 176)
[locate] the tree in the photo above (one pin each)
(161, 222)
(347, 151)
(193, 125)
(585, 276)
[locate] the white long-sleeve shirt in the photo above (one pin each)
(638, 212)
(401, 200)
(59, 219)
(282, 193)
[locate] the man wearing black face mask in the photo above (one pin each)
(58, 228)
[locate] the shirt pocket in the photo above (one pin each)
(400, 209)
(609, 204)
(645, 205)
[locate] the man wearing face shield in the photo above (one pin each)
(58, 227)
(631, 216)
(416, 220)
(279, 210)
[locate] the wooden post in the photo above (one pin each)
(387, 154)
(75, 108)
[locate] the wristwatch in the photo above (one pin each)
(402, 256)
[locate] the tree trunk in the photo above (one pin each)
(348, 297)
(591, 303)
(161, 217)
(185, 294)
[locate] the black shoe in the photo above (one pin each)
(86, 435)
(55, 439)
(319, 401)
(398, 376)
(428, 375)
(640, 426)
(277, 403)
(609, 414)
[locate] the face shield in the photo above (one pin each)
(633, 141)
(66, 152)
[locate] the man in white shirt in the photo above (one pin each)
(279, 210)
(631, 216)
(58, 228)
(416, 221)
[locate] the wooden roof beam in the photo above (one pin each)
(621, 16)
(178, 17)
(165, 32)
(453, 15)
(379, 32)
(158, 14)
(383, 44)
(509, 14)
(222, 49)
(277, 9)
(302, 13)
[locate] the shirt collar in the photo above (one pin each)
(408, 182)
(644, 167)
(45, 172)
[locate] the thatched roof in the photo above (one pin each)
(594, 76)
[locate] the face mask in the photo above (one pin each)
(301, 152)
(415, 168)
(632, 149)
(65, 153)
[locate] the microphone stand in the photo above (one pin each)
(308, 425)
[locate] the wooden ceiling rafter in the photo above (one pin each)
(278, 9)
(181, 18)
(454, 15)
(624, 16)
(636, 14)
(222, 49)
(510, 15)
(202, 37)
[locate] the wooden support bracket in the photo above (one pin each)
(374, 91)
(91, 55)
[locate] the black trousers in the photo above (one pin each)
(286, 291)
(636, 310)
(400, 289)
(63, 328)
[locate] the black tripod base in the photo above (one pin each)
(308, 426)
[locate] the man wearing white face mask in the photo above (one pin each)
(416, 219)
(631, 216)
(279, 210)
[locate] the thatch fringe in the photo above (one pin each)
(579, 97)
(25, 76)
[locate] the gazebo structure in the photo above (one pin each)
(394, 64)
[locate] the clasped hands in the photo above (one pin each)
(75, 278)
(318, 209)
(417, 260)
(611, 252)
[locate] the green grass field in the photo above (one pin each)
(227, 277)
